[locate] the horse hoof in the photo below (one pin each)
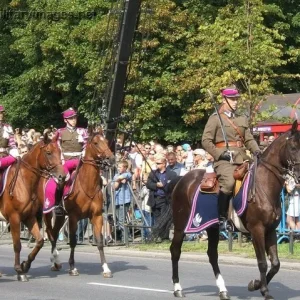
(269, 297)
(179, 294)
(74, 272)
(253, 285)
(224, 295)
(22, 278)
(107, 275)
(25, 266)
(56, 267)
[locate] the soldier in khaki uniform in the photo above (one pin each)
(239, 140)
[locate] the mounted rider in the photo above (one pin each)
(8, 148)
(72, 142)
(226, 137)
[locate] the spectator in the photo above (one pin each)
(293, 211)
(271, 139)
(200, 161)
(158, 184)
(188, 156)
(146, 209)
(23, 149)
(122, 193)
(175, 166)
(170, 148)
(136, 160)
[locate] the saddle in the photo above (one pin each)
(209, 183)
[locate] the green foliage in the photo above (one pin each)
(58, 54)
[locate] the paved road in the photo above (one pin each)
(136, 277)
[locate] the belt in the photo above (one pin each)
(237, 144)
(72, 153)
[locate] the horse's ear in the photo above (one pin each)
(46, 138)
(295, 127)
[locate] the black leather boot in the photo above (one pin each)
(223, 205)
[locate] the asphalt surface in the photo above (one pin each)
(136, 275)
(185, 256)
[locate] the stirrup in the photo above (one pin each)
(225, 225)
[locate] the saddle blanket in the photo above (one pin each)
(204, 212)
(50, 190)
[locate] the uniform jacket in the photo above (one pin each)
(71, 140)
(213, 134)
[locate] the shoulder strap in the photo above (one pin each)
(235, 127)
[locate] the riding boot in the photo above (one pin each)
(223, 205)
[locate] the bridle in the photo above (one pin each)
(45, 171)
(281, 172)
(101, 161)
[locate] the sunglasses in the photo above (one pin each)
(159, 163)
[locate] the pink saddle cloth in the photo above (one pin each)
(50, 190)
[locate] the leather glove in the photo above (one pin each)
(225, 156)
(257, 153)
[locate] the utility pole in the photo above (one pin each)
(116, 96)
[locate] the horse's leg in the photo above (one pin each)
(33, 227)
(271, 249)
(73, 242)
(97, 222)
(15, 232)
(258, 240)
(212, 252)
(52, 233)
(175, 250)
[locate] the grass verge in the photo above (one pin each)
(244, 250)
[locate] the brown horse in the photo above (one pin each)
(84, 201)
(18, 202)
(261, 217)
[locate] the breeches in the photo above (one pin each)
(225, 177)
(70, 165)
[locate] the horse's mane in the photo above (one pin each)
(279, 142)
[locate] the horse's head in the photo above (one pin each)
(290, 151)
(48, 157)
(97, 148)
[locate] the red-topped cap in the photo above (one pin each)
(69, 113)
(230, 93)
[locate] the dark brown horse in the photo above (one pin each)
(84, 201)
(18, 202)
(261, 217)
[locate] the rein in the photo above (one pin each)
(99, 163)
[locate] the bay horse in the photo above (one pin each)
(18, 202)
(261, 218)
(84, 201)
